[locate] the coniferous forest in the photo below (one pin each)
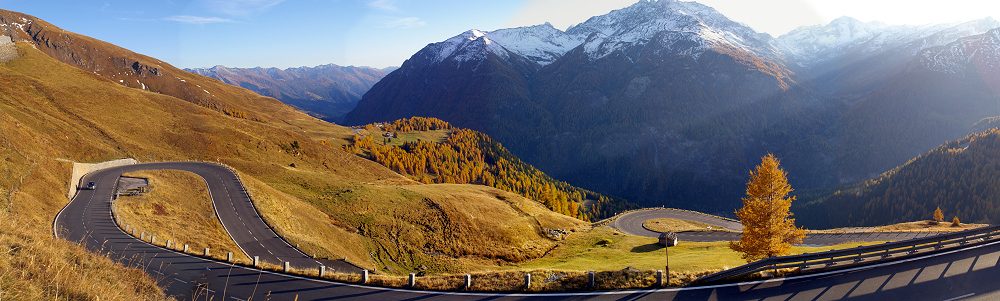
(470, 157)
(961, 177)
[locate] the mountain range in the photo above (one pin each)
(667, 102)
(326, 92)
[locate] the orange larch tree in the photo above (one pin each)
(768, 229)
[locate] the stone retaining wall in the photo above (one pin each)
(81, 169)
(8, 51)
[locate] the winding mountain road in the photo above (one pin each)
(631, 224)
(965, 274)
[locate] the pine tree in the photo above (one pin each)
(768, 229)
(955, 222)
(938, 215)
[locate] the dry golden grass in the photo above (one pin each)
(928, 226)
(398, 229)
(605, 249)
(313, 230)
(676, 225)
(918, 226)
(177, 208)
(35, 266)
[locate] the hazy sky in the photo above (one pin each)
(381, 33)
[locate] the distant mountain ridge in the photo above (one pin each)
(943, 92)
(848, 58)
(326, 91)
(665, 101)
(642, 94)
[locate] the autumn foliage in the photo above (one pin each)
(768, 229)
(471, 157)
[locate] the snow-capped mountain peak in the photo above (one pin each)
(466, 46)
(637, 24)
(619, 29)
(542, 44)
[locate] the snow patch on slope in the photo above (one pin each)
(979, 53)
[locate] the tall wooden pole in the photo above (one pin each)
(666, 270)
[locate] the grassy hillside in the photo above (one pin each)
(177, 208)
(958, 176)
(130, 69)
(467, 156)
(34, 265)
(332, 202)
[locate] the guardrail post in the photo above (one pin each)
(322, 270)
(364, 276)
(152, 240)
(413, 280)
(659, 277)
(590, 279)
(286, 267)
(256, 261)
(206, 252)
(468, 281)
(168, 244)
(527, 281)
(229, 256)
(185, 248)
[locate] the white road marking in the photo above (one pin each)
(961, 297)
(180, 280)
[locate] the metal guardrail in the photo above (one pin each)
(859, 254)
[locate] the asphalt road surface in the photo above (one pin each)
(231, 203)
(631, 224)
(969, 274)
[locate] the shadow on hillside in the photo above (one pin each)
(647, 248)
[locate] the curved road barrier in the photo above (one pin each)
(970, 271)
(864, 254)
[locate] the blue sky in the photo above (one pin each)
(382, 33)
